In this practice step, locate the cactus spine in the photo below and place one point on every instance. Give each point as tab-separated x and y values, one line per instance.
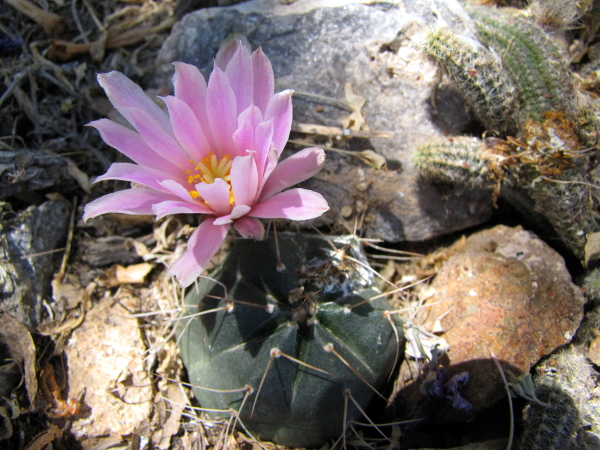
567	411
476	71
531	59
458	159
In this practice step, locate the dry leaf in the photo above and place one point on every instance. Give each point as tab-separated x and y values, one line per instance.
20	344
176	405
592	247
79	176
354	100
373	159
355	121
44	438
141	249
69	294
135	273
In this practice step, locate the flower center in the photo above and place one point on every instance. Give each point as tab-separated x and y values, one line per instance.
208	170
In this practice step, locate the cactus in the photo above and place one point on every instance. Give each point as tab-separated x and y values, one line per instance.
557	15
531	59
476	71
591	284
301	333
565	410
530	91
461	159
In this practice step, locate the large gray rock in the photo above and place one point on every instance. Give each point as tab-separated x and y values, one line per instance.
28	258
316	48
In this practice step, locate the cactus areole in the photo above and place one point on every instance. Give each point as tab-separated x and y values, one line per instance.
289	330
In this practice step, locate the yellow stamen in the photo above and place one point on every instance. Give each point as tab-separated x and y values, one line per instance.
210	169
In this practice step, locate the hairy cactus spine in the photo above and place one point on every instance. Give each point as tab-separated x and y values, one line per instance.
536	65
460	159
567	409
476	71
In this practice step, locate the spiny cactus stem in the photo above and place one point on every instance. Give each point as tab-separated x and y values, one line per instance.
228	308
274	354
329	348
476	72
534	62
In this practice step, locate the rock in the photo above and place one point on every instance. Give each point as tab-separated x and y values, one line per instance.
108	250
316	50
28	258
492	444
505	292
24	171
106	362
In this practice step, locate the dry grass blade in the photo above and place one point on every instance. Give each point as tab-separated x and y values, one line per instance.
53	24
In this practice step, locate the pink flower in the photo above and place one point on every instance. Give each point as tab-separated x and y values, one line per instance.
215	153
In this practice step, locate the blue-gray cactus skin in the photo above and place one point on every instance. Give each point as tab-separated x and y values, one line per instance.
302	309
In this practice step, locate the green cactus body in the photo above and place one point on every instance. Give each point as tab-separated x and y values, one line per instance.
567	202
550	427
531	59
567	410
302	309
476	72
458	160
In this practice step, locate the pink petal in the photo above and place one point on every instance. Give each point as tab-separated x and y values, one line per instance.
226	52
249	227
202	246
236	213
271	163
132	145
178	207
295	204
244	137
244	180
264	84
177	189
124	93
220	101
190	86
157	139
135	174
128	201
187	129
263	135
241	77
252	113
216	196
280	110
295	169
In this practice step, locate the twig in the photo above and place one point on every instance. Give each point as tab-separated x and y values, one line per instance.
510	405
310	128
48	252
78	22
17	81
323	99
64	50
63	266
52	23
